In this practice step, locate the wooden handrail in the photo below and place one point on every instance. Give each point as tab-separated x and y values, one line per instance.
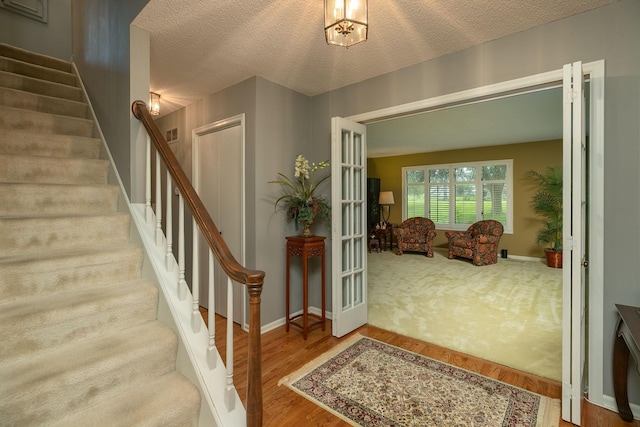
253	279
217	244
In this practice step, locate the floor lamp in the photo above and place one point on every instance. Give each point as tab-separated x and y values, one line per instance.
385	200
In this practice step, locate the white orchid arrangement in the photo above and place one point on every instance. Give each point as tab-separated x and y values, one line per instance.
301	204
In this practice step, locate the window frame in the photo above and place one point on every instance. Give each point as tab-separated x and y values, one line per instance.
477	182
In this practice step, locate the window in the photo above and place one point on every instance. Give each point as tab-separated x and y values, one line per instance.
455	196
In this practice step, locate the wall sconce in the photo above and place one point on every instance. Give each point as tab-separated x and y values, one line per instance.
345	22
154	103
385	199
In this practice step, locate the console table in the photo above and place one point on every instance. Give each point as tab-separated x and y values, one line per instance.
305	248
627	341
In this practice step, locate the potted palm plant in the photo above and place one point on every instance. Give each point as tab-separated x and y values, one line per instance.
547	203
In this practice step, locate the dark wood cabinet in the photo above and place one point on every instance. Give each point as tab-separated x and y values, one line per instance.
373	207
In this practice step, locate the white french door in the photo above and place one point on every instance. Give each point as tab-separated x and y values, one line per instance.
349	233
574	215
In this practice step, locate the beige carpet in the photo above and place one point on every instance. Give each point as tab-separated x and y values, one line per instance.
369	383
81	341
509	313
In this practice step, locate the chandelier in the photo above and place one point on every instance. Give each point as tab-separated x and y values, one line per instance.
345	22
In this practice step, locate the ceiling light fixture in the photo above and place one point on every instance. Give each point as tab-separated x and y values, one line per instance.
345	22
154	103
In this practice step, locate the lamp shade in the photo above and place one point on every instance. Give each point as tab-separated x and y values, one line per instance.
345	22
386	198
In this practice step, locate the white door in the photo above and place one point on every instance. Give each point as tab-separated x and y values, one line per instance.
218	180
574	210
349	233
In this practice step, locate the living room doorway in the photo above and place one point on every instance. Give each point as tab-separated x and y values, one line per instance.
496	310
594	177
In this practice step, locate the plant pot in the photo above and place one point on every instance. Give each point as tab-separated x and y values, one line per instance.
554	258
306	231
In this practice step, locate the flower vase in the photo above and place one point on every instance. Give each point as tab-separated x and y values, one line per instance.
306	230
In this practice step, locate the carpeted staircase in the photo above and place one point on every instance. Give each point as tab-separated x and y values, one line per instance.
80	341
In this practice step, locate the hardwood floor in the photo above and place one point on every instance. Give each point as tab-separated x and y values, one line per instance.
283	353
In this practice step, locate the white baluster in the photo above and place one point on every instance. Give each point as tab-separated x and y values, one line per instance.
229	396
169	259
159	237
195	280
212	359
182	283
147	190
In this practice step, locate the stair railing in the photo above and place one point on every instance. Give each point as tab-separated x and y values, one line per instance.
252	279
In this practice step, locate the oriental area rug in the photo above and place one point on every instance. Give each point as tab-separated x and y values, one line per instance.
369	383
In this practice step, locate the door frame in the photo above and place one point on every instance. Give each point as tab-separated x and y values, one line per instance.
197	133
595	286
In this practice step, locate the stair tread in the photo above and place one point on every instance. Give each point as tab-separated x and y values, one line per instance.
168	400
17	157
55	232
54	216
42	144
30	57
40	114
43	87
53	303
54	258
38	71
25	119
28	199
17	168
66	378
33	324
22	186
58	360
16	98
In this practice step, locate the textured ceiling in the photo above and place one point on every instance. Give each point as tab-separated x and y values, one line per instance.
199	47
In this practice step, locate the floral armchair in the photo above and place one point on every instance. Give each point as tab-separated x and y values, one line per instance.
479	243
416	234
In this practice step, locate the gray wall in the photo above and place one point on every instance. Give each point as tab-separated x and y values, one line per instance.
611	33
101	47
282	132
52	38
277	128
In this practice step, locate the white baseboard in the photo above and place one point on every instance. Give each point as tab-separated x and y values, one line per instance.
524	258
609	402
